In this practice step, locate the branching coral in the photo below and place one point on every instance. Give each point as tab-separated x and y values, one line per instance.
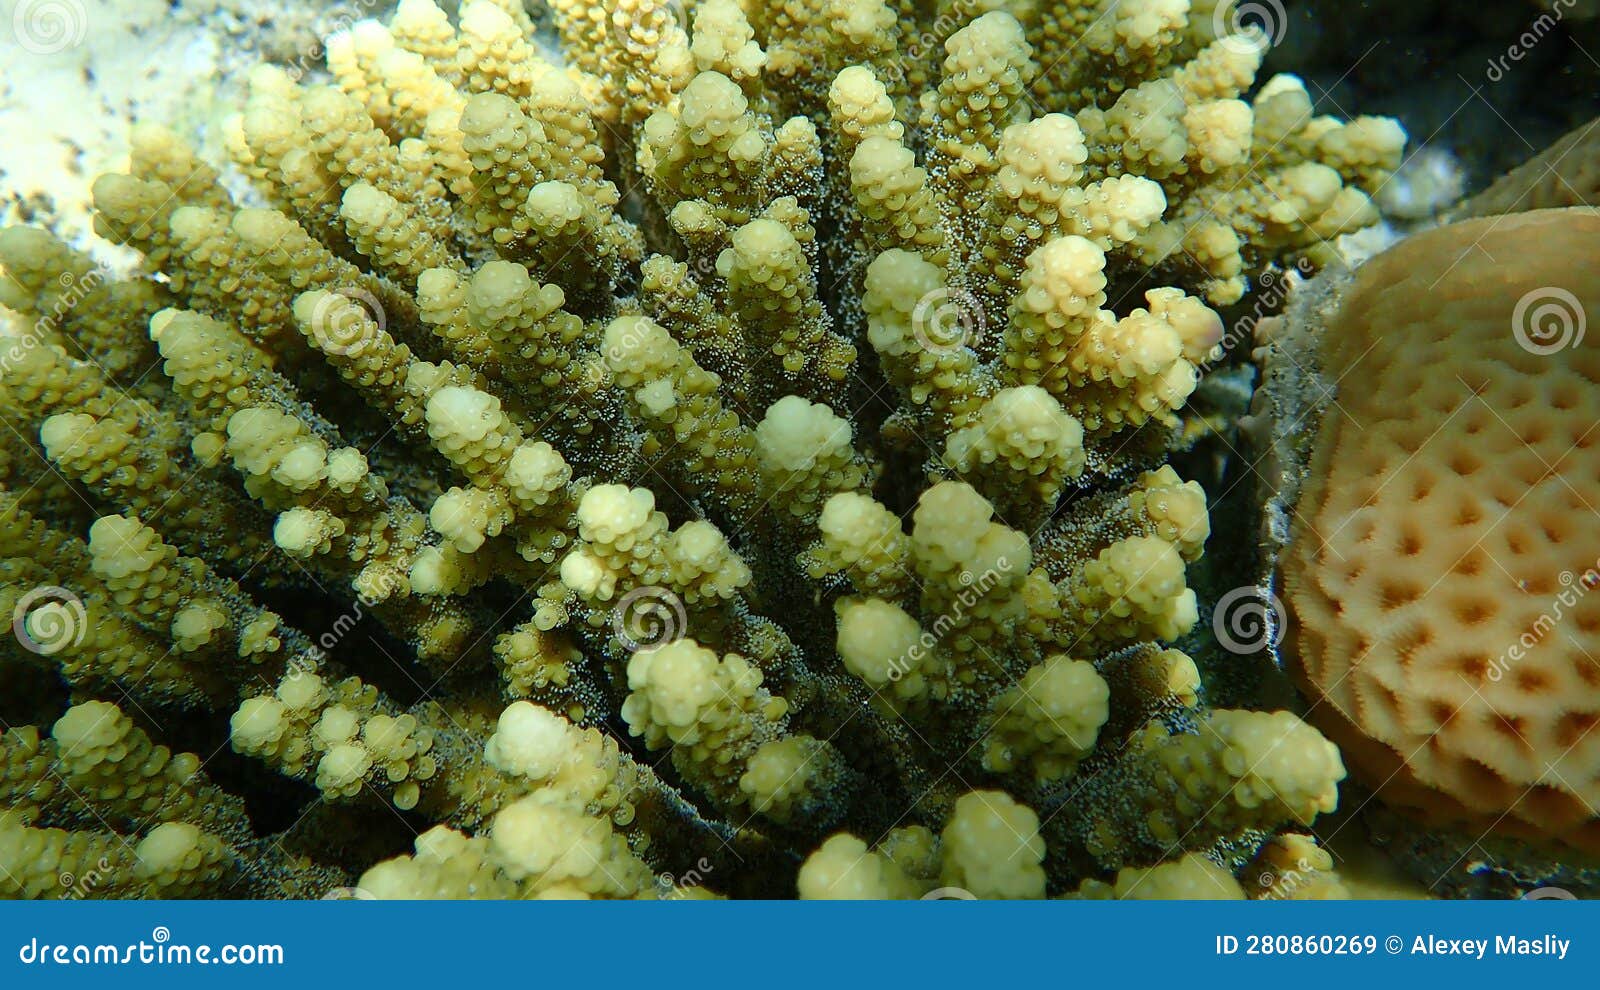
737	388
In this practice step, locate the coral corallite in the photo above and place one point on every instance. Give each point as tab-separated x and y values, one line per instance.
1444	580
658	434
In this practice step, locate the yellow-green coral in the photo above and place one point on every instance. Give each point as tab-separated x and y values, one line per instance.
732	386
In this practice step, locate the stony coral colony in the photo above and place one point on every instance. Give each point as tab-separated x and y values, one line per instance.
729	416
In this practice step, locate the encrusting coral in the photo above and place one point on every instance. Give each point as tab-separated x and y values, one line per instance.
1425	526
736	431
1441	578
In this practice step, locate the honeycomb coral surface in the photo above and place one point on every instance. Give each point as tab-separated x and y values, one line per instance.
1442	578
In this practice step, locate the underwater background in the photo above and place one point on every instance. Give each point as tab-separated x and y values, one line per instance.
720	448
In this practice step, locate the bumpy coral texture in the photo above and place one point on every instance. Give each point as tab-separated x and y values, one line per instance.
729	436
1444	585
